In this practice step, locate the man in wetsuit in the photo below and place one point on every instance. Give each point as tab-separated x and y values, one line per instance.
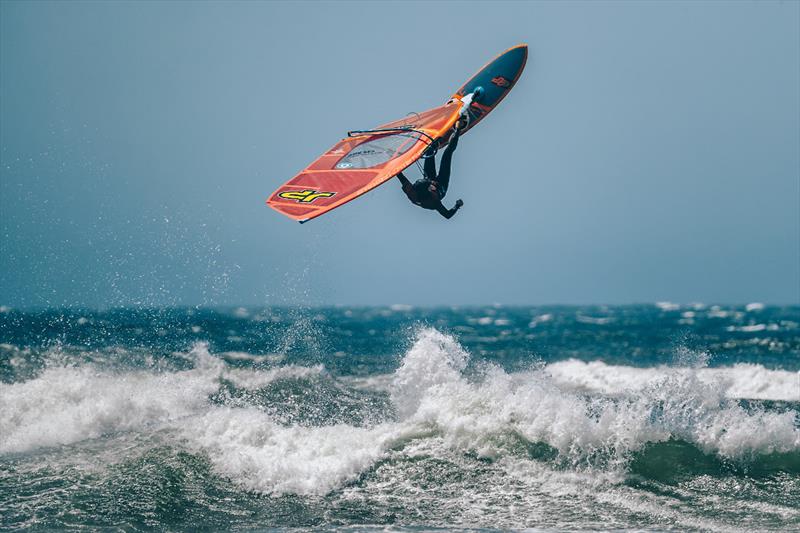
429	191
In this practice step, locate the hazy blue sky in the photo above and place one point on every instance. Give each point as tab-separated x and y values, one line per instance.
650	151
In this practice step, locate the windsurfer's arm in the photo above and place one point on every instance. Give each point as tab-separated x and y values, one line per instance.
404	181
448	213
407	187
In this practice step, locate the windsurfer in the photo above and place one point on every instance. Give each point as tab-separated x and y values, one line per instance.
429	191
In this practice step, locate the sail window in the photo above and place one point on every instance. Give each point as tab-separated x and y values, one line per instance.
378	150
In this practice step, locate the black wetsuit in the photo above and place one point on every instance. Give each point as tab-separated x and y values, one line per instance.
420	192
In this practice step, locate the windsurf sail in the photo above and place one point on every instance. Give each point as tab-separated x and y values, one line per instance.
366	158
362	161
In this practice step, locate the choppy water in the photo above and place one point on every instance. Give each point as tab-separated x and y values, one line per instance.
657	417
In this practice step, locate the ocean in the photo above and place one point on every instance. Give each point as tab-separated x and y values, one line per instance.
645	417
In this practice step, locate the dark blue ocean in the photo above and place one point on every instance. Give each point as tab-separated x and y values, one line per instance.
654	417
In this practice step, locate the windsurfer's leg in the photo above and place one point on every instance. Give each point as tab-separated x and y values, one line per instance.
430	167
444	166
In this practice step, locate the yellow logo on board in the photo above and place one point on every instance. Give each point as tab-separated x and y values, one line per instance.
305	197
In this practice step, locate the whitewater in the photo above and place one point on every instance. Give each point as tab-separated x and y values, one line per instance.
401	417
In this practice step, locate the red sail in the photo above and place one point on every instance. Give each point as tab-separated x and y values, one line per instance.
360	163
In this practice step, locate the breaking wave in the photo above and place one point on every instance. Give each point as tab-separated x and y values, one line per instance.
300	430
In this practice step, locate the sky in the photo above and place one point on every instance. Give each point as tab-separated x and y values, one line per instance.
649	152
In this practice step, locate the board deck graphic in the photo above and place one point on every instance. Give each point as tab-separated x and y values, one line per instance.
365	159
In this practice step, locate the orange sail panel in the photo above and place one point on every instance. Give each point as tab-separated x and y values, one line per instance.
360	163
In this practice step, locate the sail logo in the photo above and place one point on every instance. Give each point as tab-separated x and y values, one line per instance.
306	196
500	81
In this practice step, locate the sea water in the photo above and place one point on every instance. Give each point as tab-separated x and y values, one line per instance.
659	417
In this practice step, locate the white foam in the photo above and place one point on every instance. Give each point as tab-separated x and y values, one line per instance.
596	320
254	379
471	416
539	319
434	359
69	404
250	448
436	404
668	306
717	312
434	400
430	389
258	358
741	381
751	328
